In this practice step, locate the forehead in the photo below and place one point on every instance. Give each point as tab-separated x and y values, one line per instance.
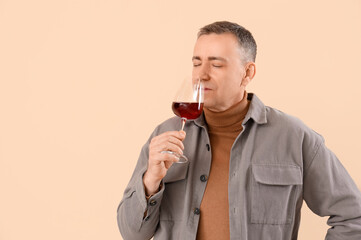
220	45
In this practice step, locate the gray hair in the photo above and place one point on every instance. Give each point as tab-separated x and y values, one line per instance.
244	37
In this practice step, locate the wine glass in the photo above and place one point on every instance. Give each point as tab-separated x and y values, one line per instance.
188	105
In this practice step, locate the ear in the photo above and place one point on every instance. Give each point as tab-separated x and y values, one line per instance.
250	71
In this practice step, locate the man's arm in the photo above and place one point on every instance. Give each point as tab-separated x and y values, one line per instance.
330	191
130	214
137	216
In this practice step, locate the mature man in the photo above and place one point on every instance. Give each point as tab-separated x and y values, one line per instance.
250	166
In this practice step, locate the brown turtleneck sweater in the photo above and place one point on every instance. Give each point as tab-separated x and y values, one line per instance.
223	128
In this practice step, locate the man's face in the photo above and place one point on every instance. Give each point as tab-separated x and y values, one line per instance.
217	62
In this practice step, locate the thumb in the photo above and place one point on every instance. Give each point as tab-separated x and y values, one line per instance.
182	134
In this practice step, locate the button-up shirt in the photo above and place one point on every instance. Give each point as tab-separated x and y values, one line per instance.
276	162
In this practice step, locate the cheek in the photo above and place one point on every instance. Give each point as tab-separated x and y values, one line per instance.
232	87
236	80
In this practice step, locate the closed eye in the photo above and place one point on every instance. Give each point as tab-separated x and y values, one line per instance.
196	63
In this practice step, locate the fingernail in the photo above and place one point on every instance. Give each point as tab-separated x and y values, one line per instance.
183	134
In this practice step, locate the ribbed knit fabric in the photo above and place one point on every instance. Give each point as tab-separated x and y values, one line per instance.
223	128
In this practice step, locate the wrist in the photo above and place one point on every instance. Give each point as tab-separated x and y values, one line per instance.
147	197
151	186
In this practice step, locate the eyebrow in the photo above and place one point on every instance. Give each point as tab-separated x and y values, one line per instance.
210	58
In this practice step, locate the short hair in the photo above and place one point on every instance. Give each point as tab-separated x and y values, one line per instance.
244	37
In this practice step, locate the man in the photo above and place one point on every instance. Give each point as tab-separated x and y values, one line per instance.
250	166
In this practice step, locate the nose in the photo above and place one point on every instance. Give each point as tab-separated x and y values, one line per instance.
202	72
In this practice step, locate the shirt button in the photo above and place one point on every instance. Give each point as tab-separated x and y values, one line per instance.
204	178
153	203
208	147
196	211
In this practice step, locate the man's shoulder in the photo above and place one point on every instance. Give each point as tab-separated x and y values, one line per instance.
272	116
276	116
289	123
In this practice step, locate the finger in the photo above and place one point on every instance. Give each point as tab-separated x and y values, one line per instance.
169	140
177	142
172	147
168	157
168	164
177	134
166	143
166	146
182	134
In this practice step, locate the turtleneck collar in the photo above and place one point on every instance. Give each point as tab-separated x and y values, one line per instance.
231	118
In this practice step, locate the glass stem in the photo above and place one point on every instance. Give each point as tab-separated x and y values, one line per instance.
183	122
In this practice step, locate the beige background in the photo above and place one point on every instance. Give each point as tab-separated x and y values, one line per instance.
84	82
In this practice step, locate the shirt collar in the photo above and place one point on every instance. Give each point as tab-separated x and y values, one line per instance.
256	111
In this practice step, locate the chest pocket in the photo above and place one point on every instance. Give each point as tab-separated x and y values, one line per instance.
274	191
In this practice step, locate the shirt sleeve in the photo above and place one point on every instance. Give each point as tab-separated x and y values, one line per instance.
330	191
132	222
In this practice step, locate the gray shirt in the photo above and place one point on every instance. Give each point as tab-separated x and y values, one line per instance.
276	162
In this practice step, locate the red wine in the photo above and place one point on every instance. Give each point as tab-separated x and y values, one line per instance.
188	110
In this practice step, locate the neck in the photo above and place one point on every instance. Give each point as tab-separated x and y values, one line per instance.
233	115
